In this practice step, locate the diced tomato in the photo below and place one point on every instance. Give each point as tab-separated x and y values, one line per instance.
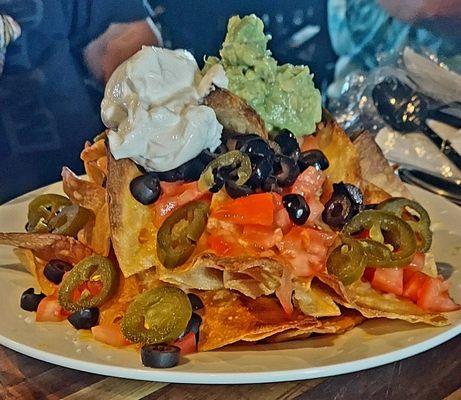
368	274
110	334
262	237
175	195
188	344
389	280
365	234
418	261
309	185
433	296
49	310
310	143
256	209
281	218
306	249
220	245
413	281
94	287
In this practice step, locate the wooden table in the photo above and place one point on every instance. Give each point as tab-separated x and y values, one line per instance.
435	374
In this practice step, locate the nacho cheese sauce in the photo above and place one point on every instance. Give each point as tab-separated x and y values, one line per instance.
152	107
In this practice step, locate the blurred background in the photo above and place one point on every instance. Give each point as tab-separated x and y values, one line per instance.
55	56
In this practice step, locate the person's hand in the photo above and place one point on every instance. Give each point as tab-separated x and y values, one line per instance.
115	45
417	10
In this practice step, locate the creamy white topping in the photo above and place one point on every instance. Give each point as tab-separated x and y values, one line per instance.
152	106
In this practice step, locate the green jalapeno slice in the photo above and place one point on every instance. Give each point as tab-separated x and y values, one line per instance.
179	233
157	316
94	268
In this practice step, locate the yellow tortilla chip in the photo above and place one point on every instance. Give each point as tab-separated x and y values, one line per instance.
341	153
133	233
86	194
229	317
373	304
35	266
100	236
234	114
329	325
311	299
48	246
94	159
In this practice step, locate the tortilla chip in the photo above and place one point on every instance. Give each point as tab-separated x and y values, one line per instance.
376	169
132	230
48	246
86	194
342	154
100	236
229	317
311	299
234	114
95	161
253	277
330	325
373	304
35	266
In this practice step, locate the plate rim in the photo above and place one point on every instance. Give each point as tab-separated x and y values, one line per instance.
191	377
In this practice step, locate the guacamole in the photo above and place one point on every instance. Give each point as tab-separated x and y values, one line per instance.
283	95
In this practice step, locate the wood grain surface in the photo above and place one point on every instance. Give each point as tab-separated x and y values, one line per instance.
433	375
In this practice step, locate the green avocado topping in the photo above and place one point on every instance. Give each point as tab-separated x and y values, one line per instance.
283	95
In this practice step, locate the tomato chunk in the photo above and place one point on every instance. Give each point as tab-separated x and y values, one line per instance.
389	280
110	334
262	237
256	209
433	296
413	281
220	245
188	344
49	310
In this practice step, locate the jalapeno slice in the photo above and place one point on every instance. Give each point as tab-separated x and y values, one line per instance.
393	230
179	233
414	215
93	269
157	316
235	159
378	254
347	261
42	209
69	220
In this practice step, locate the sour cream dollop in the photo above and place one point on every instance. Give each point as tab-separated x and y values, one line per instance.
152	107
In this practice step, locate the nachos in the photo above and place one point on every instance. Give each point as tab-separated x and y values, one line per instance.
221	206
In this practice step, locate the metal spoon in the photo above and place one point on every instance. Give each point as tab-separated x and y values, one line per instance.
406	111
448	188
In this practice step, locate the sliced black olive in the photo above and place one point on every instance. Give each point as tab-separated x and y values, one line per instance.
289	146
337	211
262	168
160	355
221	149
146	188
270	185
219	181
297	208
55	270
195	301
257	148
236	141
173	175
193	326
313	158
84	319
235	191
345	202
30	300
286	170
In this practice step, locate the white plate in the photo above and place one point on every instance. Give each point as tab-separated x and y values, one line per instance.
374	343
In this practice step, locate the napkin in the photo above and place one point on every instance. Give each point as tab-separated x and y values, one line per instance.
416	150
